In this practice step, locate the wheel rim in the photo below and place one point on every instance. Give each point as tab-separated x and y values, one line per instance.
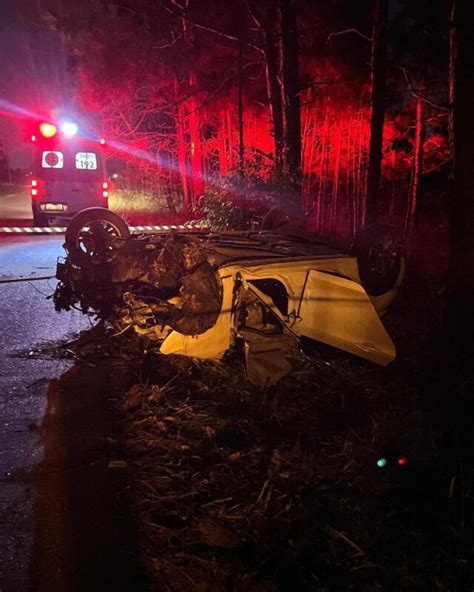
93	239
383	260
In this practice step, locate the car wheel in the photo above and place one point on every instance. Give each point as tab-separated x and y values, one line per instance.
92	234
278	218
379	257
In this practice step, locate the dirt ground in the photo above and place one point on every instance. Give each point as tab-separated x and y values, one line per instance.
237	488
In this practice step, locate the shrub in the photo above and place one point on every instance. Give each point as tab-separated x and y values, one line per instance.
240	203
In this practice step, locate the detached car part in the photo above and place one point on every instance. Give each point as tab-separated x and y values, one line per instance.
196	293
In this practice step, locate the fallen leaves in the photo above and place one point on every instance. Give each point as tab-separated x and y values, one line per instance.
216	534
235	489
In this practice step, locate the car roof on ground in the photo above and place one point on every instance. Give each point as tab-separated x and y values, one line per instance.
253	246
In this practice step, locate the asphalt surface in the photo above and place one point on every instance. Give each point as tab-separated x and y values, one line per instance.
64	526
15	203
27	319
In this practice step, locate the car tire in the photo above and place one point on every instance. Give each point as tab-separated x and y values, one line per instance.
379	257
84	218
279	218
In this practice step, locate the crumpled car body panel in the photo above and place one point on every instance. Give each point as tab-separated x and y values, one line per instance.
338	312
212	344
325	302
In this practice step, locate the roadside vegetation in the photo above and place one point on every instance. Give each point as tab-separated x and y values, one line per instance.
344	476
137	207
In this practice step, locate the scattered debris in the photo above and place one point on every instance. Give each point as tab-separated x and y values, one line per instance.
117	464
216	534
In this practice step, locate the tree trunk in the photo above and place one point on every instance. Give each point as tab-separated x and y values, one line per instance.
308	164
336	181
195	148
223	148
460	311
410	222
182	160
291	90
378	85
267	25
275	97
240	68
360	171
196	152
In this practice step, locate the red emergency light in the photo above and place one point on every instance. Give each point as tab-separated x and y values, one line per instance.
102	141
35	188
105	192
47	130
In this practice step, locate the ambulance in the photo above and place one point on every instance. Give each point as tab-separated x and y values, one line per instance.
69	173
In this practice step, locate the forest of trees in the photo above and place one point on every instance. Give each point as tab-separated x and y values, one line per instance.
343	105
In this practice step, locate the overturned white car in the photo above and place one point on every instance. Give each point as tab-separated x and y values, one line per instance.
197	293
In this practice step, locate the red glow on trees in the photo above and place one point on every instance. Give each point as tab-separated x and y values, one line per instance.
182	112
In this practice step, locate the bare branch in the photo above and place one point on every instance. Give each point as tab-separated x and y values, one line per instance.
253	15
418	95
214	95
352	30
323	82
174	39
262	153
176	10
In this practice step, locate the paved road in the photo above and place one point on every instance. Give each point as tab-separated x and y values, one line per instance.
15	203
60	521
27	319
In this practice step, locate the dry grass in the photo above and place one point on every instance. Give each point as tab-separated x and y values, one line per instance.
241	489
234	488
143	208
123	200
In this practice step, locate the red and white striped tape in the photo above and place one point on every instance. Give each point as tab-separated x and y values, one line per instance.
62	229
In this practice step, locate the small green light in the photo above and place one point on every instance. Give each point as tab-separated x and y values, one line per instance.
381	463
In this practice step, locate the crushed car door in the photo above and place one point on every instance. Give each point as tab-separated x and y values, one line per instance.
338	312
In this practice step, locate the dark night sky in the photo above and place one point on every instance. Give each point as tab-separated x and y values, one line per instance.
33	71
12	58
33	62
